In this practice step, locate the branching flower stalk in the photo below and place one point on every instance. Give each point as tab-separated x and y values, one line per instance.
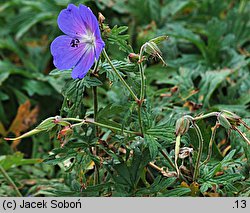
168	159
142	75
210	146
50	122
211	114
176	153
95	104
91	121
140	119
231	119
225	118
198	159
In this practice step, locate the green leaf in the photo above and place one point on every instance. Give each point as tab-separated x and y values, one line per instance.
36	87
57	72
209	83
165	133
179	31
153	146
117	36
91	82
121	66
32	21
177	192
15	160
110	111
3	77
159	185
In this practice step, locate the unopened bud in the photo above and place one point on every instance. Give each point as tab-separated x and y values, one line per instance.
133	57
58	120
64	135
101	18
66	131
182	126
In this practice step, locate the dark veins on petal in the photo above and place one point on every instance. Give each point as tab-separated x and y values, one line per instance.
74	42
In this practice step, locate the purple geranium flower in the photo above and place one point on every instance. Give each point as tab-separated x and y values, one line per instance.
81	45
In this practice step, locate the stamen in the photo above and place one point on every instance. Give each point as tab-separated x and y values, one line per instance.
89	38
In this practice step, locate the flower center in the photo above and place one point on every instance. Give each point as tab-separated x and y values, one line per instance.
88	38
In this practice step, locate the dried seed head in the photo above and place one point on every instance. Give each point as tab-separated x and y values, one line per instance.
223	121
151	48
185	152
231	117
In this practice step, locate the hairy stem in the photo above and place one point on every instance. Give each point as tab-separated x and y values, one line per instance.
84	121
95	102
198	159
10	181
141	69
176	153
210	146
118	75
242	135
143	88
140	120
211	114
168	159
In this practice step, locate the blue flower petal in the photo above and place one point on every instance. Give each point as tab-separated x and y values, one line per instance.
89	19
70	21
77	48
65	56
84	65
99	47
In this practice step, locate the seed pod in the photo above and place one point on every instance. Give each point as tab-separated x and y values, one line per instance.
223	121
159	39
231	117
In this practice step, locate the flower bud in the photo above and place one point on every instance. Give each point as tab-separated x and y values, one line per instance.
64	135
66	131
133	57
182	126
58	120
101	18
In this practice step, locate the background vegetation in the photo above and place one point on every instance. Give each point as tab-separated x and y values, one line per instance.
207	56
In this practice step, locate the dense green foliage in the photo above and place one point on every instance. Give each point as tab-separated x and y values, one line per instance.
207	57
